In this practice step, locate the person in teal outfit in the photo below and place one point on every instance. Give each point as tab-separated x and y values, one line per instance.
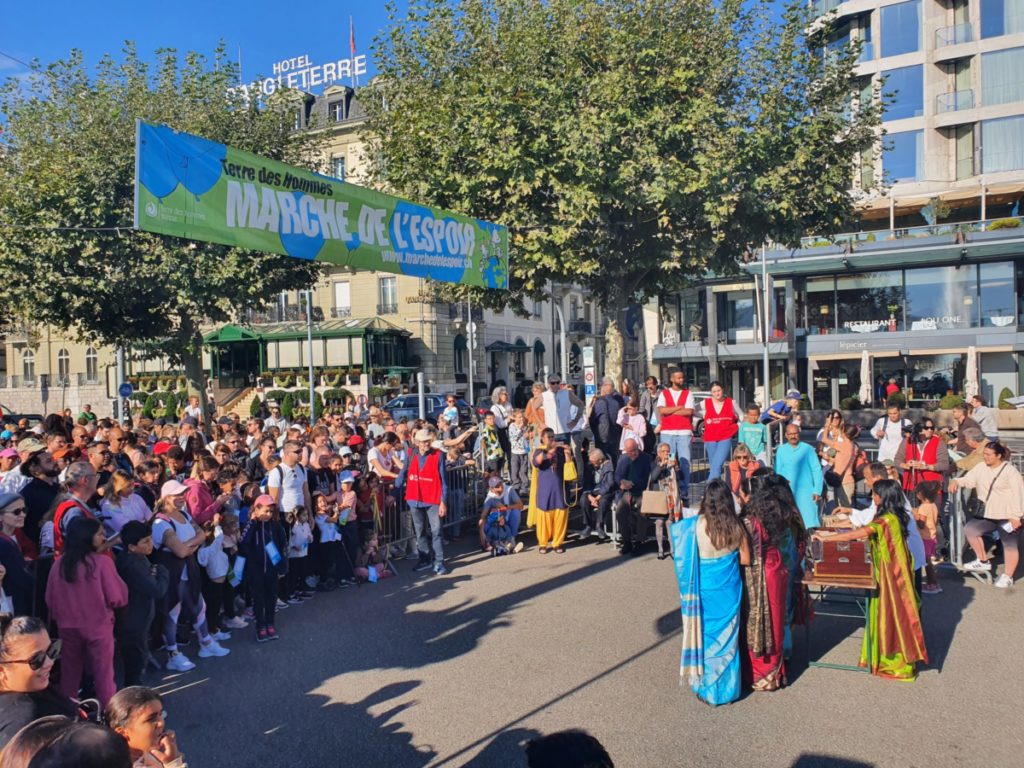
800	465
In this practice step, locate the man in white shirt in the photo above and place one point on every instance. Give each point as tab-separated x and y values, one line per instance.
287	483
557	408
888	431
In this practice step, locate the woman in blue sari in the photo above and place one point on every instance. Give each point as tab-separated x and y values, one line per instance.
708	550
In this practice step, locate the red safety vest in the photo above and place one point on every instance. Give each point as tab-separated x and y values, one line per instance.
911	477
675	422
720	426
423	481
58	521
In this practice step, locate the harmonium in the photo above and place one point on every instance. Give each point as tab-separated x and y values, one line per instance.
840	561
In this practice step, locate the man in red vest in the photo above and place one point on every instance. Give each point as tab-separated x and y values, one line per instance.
425	483
80	479
675	414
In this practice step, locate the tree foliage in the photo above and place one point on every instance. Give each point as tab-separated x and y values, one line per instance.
630	146
68	255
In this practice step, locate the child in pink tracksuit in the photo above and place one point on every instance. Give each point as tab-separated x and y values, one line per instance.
82	592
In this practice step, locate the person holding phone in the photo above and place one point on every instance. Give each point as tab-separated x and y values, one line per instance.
552	512
1000	487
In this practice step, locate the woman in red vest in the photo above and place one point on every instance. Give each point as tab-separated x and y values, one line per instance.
923	456
721	421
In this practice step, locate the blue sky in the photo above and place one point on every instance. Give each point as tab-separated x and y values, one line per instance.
266	32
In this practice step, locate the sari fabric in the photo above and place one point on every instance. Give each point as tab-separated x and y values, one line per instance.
767	585
896	638
710	594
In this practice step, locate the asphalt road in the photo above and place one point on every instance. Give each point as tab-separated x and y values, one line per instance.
459	670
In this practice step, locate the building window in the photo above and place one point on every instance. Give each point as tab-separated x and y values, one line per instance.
28	365
1002	144
736	315
574	309
1001	17
338	167
901	28
996	294
91	365
964	138
336	111
941	298
537	308
1002	76
387	292
538	358
903	159
297	121
459	351
821	317
63	365
905	87
342	299
935	376
867	169
870	303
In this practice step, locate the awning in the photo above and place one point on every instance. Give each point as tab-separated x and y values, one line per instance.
329	329
504	346
228	333
538	347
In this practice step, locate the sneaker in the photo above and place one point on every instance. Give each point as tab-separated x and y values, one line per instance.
345	584
312	581
179	662
281	604
261	635
601	535
248	614
586	533
236	622
931	589
212	649
423	565
326	586
271	633
295	600
1004	582
978	566
396	552
306	594
220	635
518	547
440	570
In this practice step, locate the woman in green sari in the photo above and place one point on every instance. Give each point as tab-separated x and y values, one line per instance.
894	642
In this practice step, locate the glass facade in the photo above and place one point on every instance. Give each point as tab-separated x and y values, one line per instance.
870	303
735	310
1002	144
1002	76
903	89
941	298
1001	17
932	377
996	295
903	159
901	28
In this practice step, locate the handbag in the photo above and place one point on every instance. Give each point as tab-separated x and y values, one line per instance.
654	504
975	506
569	473
833	478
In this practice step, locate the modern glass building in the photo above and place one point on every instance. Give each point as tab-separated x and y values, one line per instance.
936	266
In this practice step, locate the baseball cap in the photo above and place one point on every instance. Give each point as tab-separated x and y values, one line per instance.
59	454
554	379
494	482
161	448
188	421
265	500
172	488
30	445
354	441
793	394
8	453
345	451
6	434
346	477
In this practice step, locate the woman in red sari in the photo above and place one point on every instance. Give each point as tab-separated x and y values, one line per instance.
766	583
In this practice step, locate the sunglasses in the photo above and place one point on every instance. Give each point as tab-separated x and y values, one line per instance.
37	660
17	511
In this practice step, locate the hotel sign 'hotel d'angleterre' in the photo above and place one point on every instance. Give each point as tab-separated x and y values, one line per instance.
298	72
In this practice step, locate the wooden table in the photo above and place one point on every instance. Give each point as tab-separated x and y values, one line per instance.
840	591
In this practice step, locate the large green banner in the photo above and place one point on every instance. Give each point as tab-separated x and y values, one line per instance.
194	188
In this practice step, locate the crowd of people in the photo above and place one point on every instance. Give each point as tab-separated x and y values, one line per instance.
127	543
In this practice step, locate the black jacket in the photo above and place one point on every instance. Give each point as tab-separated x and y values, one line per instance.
147	583
19	583
253	547
641	472
603	421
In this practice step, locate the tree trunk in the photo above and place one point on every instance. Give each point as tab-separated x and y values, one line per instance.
614	348
191	341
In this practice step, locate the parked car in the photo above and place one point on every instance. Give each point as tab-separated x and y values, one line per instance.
481	407
408	406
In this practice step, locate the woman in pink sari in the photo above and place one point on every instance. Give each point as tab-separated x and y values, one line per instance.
766	581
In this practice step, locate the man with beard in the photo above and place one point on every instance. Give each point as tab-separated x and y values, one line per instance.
40	492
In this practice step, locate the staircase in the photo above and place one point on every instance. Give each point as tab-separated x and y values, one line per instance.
239	404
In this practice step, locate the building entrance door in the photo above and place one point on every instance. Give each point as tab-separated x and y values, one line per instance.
238	362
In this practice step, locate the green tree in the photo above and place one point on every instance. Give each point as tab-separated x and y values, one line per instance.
629	146
288	406
68	255
255	405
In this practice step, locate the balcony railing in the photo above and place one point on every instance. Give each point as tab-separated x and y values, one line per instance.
387	309
580	326
21	381
339	312
86	379
954	101
946	229
954	35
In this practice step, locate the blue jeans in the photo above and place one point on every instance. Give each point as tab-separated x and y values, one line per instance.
718	456
680	447
424	516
